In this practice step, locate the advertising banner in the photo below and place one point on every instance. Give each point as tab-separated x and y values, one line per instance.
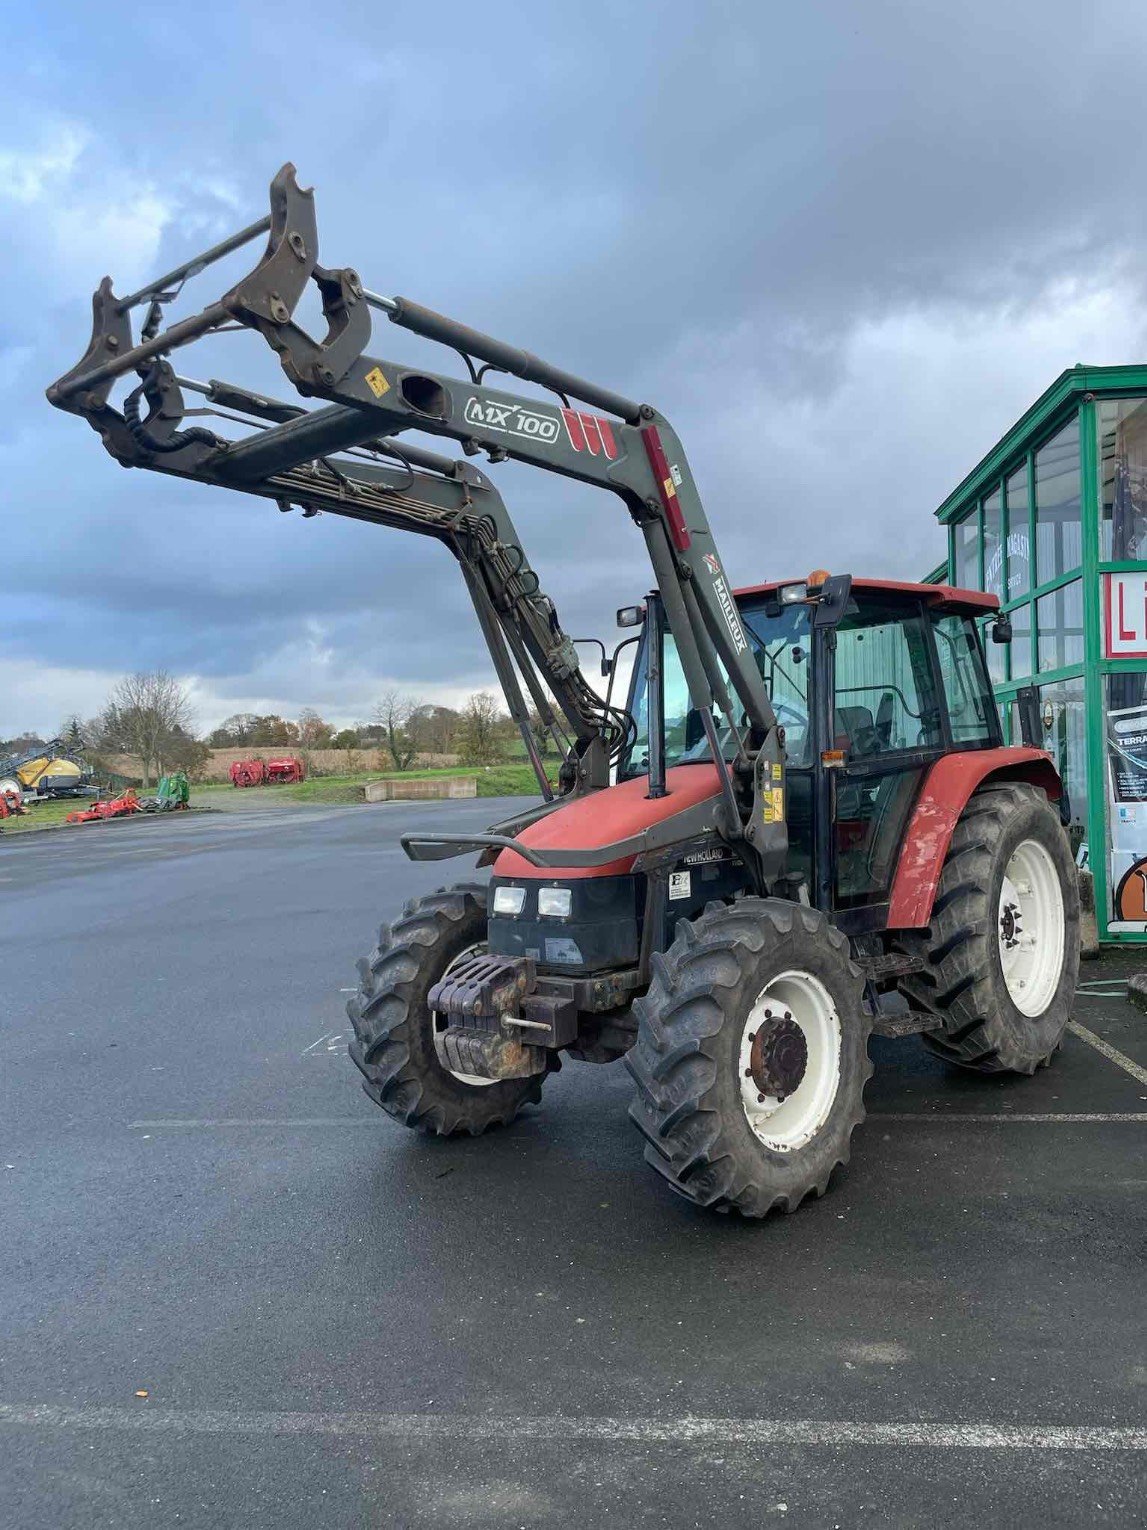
1127	797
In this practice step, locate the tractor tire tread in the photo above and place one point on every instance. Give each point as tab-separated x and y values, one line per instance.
391	1046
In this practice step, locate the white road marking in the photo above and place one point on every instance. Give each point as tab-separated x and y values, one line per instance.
263	1121
948	1116
1004	1116
1111	1053
326	1036
508	1430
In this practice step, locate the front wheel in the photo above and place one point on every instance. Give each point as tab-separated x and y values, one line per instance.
394	1026
751	1057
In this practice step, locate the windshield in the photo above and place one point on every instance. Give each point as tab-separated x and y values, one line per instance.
782	650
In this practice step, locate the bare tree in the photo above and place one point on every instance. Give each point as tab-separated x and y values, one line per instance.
392	715
482	729
149	716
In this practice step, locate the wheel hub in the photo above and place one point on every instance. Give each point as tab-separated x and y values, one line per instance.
779	1055
1010	924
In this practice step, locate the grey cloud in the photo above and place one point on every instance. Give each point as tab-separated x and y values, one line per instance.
708	205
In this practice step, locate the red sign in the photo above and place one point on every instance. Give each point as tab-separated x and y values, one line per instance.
1125	612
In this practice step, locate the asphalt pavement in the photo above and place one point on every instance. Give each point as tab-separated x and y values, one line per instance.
338	1323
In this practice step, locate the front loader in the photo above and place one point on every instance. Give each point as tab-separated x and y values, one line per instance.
800	827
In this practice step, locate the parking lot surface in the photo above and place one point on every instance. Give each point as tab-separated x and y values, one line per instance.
337	1322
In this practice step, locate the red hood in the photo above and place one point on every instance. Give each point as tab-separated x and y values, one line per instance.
615	813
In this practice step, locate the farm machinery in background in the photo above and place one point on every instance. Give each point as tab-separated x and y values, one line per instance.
50	771
172	795
281	772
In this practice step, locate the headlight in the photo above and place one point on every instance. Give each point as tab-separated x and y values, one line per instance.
555	902
509	900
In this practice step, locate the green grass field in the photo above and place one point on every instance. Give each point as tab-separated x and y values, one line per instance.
40	815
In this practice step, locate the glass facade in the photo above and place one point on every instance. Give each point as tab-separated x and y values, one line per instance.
1122	434
1059	620
1054	523
1057	504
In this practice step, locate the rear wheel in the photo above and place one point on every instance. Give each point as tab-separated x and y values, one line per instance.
394	1026
751	1057
1002	951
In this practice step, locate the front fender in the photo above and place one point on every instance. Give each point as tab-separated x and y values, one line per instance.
943	797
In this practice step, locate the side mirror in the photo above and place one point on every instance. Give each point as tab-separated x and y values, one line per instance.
631	616
1027	705
694	729
1002	629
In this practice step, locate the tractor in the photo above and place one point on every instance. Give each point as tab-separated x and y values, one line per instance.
799	827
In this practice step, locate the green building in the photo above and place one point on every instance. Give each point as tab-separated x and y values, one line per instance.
1054	521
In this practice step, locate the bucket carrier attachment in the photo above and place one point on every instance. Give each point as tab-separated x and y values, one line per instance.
346	457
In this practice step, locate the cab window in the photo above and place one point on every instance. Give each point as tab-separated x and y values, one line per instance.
886	700
966	687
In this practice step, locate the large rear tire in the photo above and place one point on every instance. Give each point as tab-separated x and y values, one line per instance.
751	1057
393	1044
1002	951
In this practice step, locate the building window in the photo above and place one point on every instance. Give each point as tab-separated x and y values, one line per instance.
994	561
1059	619
966	553
1065	738
1059	544
1021	644
1123	475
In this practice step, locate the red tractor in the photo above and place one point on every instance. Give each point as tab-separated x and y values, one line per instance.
799	828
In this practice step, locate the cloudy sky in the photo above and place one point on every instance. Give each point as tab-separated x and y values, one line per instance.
842	246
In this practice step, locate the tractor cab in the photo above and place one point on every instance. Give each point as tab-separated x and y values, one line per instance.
868	705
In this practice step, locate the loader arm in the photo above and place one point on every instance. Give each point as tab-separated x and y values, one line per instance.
300	458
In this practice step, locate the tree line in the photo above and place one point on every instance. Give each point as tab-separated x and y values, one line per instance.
150	717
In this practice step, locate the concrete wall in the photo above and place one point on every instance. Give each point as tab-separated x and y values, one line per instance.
435	787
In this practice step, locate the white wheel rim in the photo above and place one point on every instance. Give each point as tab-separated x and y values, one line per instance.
1029	927
789	1123
438	1023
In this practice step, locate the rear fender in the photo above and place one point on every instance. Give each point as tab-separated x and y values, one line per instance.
943	797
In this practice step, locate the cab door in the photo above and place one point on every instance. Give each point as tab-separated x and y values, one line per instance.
888	726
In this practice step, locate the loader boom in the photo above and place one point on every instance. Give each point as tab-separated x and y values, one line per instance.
301	458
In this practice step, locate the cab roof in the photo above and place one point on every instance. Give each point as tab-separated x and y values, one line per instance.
947	596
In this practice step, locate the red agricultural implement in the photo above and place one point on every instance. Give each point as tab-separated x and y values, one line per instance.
116	807
285	772
267	772
248	773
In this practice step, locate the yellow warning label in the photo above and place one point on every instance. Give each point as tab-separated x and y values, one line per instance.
773	805
670	490
778	773
376	382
